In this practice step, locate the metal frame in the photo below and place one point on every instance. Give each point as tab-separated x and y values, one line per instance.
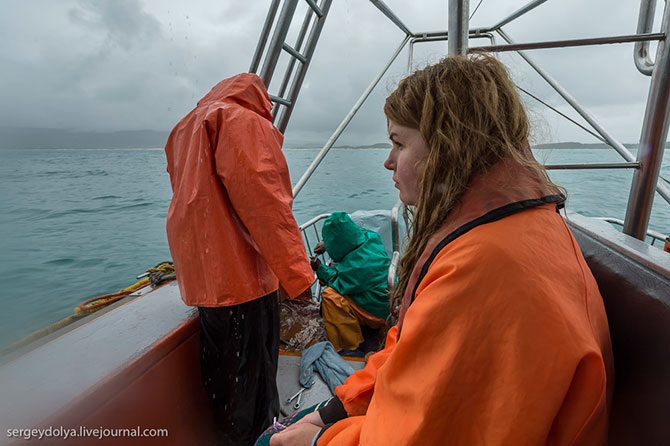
277	41
657	117
345	122
611	140
438	37
269	19
312	40
287	76
284	106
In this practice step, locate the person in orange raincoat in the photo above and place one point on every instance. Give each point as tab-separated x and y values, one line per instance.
233	239
502	336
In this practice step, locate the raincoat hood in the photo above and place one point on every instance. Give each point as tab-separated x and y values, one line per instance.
341	235
245	89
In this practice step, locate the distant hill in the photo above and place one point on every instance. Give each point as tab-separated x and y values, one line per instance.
379	145
579	145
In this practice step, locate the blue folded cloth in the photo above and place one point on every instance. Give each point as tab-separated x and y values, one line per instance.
322	356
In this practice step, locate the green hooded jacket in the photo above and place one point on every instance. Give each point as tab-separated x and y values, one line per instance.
362	264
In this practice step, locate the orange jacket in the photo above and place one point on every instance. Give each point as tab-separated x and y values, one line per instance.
505	340
230	228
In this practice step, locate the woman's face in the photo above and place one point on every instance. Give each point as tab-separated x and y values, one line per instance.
407	161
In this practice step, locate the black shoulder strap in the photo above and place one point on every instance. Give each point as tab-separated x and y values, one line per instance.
489	217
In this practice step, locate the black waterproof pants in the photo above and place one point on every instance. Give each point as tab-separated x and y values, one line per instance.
239	354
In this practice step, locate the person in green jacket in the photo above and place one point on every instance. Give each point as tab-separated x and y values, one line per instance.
356	291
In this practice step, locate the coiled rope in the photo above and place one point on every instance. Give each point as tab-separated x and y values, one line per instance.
159	274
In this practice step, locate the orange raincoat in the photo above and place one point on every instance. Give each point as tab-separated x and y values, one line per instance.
231	231
503	337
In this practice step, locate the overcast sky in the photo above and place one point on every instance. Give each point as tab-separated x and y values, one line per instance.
116	65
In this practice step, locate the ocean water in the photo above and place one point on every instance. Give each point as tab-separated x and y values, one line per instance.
75	224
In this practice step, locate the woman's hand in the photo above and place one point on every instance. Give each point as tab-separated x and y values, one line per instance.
305	430
299	434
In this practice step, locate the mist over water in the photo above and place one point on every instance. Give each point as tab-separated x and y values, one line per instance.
75	224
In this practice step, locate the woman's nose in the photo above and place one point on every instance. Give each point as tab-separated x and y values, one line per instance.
390	162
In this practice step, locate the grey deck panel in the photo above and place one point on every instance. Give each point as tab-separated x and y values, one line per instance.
39	383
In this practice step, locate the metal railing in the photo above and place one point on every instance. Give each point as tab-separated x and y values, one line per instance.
306	227
654	235
311	225
391	278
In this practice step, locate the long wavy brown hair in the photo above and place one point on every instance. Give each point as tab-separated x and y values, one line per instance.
470	115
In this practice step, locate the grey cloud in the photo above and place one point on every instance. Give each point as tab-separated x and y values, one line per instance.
130	65
123	21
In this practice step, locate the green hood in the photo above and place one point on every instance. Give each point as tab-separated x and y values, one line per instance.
341	235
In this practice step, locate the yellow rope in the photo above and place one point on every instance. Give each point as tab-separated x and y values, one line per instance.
97	303
90	306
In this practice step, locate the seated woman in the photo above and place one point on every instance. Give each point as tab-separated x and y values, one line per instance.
502	337
356	292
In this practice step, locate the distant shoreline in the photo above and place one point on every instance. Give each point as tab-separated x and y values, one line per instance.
579	145
378	146
548	146
44	138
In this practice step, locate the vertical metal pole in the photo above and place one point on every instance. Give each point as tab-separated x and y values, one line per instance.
278	38
652	141
458	27
310	46
264	36
345	122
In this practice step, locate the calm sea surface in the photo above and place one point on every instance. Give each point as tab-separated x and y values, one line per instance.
79	223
